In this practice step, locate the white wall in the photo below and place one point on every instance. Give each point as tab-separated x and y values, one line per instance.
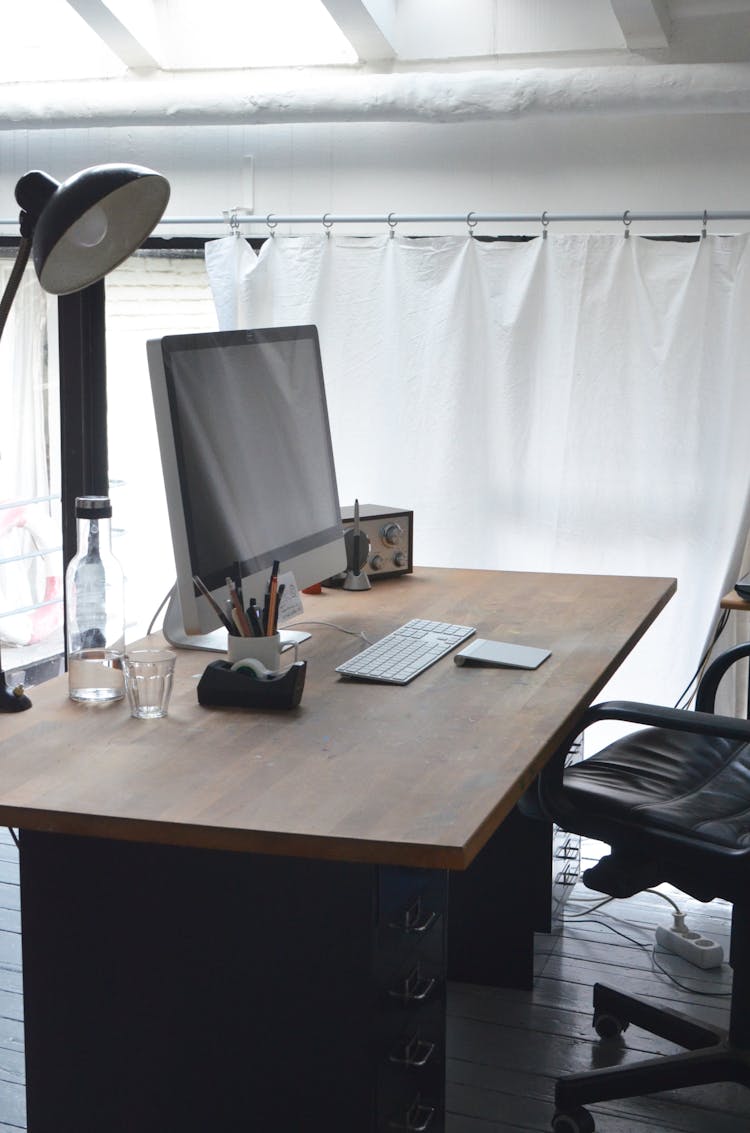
563	163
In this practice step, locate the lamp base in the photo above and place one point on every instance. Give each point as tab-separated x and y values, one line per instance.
12	699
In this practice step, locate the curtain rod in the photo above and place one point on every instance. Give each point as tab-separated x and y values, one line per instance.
238	216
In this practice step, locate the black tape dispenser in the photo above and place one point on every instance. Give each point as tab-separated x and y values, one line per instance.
249	684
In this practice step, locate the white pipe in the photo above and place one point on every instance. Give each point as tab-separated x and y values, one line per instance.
255	98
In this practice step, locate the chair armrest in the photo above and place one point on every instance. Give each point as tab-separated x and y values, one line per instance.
709	682
676	719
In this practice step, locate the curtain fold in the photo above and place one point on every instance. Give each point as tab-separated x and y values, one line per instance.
577	403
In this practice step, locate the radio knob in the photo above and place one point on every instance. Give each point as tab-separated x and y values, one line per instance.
376	562
391	534
399	559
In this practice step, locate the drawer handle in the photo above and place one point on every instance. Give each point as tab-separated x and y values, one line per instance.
417	1120
414	920
414	989
415	1052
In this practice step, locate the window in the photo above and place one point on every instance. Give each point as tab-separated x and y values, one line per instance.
154	293
31	587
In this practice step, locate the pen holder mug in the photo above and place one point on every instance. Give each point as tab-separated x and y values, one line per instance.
267	650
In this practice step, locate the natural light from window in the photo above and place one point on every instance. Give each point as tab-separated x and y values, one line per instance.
49	40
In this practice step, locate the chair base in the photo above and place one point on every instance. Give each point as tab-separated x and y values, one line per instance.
709	1057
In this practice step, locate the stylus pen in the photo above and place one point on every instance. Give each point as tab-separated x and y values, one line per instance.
214	605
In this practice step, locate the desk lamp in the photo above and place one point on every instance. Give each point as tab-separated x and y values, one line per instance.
77	232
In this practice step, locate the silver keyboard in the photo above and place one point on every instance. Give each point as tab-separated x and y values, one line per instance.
406	652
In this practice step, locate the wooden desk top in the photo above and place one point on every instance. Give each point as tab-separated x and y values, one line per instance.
732	601
416	775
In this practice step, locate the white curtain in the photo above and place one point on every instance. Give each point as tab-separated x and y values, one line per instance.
578	403
25	462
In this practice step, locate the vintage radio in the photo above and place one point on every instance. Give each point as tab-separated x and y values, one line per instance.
390	534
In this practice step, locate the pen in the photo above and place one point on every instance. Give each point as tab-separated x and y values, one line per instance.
279	596
238	614
238	581
253	614
214	605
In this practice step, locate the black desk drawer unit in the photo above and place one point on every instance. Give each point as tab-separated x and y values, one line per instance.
566	853
293	994
410	975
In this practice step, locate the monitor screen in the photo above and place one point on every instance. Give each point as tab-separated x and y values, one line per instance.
248	463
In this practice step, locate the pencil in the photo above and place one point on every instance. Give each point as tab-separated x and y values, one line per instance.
271	599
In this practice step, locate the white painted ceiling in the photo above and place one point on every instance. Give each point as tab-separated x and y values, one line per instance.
54	40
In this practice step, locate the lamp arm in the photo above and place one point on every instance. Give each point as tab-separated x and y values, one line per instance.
24	248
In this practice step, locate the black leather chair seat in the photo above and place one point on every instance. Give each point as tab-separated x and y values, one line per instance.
694	785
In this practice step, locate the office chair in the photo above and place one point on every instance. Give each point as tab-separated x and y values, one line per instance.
672	800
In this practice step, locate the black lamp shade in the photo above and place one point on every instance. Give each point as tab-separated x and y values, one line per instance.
86	226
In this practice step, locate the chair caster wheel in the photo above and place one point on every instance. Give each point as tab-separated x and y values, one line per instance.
609	1026
574	1121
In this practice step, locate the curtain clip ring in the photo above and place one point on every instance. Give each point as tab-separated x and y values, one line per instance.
327	223
234	223
471	222
627	221
271	223
391	223
545	224
704	232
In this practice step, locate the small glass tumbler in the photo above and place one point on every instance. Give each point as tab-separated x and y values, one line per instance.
148	681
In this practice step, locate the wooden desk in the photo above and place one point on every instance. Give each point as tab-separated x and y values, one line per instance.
237	920
732	601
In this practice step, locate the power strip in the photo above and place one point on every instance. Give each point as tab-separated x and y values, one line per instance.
691	946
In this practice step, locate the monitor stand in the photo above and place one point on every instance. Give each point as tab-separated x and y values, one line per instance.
174	631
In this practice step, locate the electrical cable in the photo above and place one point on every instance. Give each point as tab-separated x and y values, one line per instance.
331	625
665	897
682	702
657	967
589	908
159	609
607	900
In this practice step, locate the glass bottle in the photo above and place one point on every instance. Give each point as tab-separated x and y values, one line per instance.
94	592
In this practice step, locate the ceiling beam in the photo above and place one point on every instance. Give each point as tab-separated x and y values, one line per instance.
644	23
369	25
121	33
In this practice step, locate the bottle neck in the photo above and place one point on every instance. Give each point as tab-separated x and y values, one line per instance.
94	536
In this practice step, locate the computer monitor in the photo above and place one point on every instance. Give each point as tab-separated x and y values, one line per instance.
246	451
